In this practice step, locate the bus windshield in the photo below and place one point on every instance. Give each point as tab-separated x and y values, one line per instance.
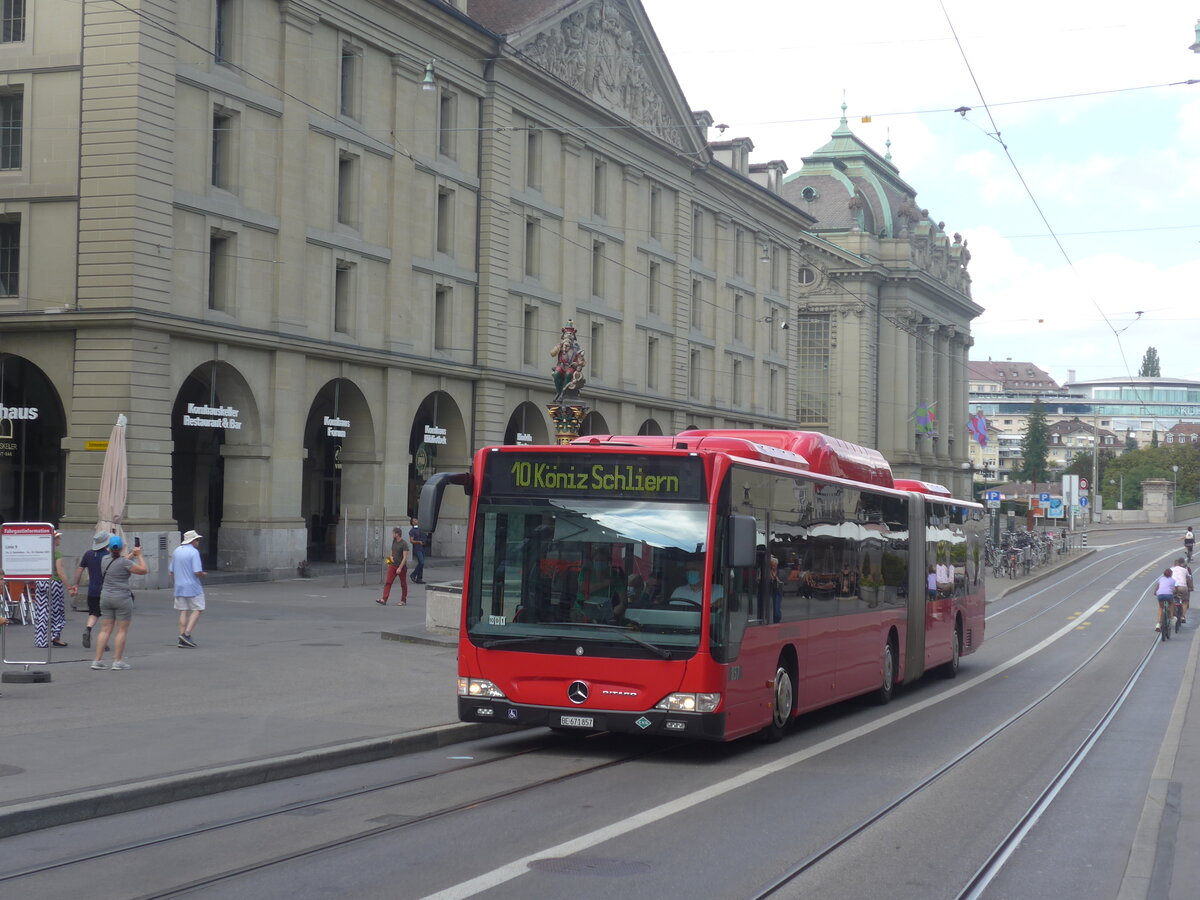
624	572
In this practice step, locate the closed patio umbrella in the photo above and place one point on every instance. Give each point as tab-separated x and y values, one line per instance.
114	482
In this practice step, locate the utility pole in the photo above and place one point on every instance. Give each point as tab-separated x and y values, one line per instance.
1095	464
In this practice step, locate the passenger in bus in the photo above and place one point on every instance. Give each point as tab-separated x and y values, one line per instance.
776	590
847	581
931	585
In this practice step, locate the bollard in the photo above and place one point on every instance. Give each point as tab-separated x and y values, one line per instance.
1084	542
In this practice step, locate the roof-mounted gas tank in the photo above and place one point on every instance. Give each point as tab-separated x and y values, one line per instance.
825	455
923	487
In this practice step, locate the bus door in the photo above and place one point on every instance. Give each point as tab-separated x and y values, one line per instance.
919	615
941	542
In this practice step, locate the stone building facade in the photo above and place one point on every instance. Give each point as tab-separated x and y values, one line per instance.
317	251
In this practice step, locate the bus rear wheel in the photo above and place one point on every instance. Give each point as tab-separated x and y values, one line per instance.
884	693
782	701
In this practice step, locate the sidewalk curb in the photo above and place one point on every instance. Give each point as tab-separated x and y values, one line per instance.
48	812
1077	556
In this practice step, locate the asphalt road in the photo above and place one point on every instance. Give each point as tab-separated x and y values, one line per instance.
548	815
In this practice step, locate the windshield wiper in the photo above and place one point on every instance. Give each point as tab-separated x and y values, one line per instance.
529	638
620	629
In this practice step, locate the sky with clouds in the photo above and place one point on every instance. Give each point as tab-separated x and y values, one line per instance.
1085	97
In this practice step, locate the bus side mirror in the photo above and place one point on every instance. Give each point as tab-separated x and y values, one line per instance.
743	541
431	497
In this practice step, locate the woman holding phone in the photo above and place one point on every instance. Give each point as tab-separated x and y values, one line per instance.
116	601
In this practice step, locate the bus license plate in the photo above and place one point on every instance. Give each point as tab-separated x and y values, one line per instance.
577	721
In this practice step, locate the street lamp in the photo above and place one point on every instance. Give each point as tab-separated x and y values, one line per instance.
1121	494
1174	484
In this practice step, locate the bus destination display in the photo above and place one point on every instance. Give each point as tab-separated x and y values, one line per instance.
579	475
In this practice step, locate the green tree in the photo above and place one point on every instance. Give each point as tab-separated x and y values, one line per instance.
1035	447
1154	439
1150	365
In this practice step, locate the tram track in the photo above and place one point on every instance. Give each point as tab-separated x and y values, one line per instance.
18	880
994	862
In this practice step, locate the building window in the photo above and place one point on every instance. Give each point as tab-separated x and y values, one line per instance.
222	150
531	355
778	261
220	271
10	257
739	252
533	159
347	191
656	212
697	300
12	24
595	356
805	276
597	268
697	232
776	318
694	374
12	113
441	318
812	350
599	188
735	388
533	235
652	362
773	390
343	298
445	221
350	74
652	290
223	31
447	111
738	312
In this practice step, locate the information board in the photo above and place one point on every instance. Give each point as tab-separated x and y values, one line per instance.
27	550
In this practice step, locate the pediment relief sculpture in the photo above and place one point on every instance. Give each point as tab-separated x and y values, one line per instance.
597	52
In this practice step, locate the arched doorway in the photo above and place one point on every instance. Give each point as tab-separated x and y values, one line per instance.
214	405
594	423
339	438
32	426
438	441
650	427
527	425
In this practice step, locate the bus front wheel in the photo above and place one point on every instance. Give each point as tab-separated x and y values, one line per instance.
782	700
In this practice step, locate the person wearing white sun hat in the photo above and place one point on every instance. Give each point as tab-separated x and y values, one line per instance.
187	571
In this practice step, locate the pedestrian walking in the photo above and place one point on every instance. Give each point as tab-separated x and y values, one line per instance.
49	603
90	563
187	572
397	564
419	541
116	601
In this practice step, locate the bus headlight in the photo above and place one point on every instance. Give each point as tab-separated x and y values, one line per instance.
477	687
704	703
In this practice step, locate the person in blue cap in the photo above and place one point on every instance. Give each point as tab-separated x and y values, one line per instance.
116	601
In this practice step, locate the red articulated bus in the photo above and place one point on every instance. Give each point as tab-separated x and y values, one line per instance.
713	584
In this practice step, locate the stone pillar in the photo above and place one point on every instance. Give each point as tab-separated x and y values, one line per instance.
1158	500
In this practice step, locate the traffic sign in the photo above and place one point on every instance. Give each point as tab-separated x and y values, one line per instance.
1044	498
992	495
1083	484
1083	501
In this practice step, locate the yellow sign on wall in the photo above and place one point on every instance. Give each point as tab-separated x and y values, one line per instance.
95	445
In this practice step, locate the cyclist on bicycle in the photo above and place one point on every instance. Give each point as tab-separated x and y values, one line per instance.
1183	580
1189	542
1165	592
